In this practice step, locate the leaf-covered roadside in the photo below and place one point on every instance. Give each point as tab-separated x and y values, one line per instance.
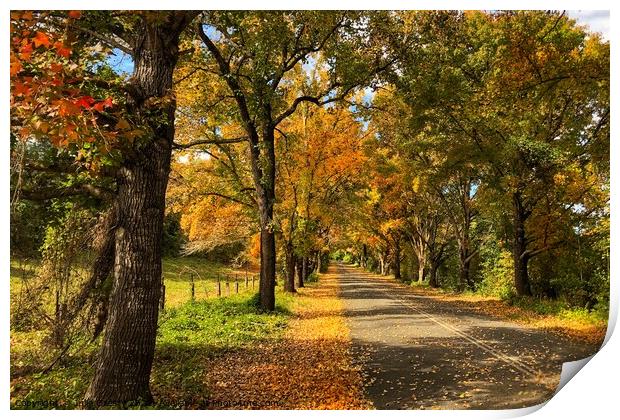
309	368
548	315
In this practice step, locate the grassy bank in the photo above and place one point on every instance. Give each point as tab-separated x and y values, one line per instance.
189	333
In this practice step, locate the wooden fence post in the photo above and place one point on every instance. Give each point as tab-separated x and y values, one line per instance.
236	284
219	286
191	277
162	298
227	285
252	281
246	277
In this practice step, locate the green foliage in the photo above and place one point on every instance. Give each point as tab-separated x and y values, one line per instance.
312	277
497	273
173	238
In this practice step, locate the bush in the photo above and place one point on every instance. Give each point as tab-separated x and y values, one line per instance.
497	275
312	278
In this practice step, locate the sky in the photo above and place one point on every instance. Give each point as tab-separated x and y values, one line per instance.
597	20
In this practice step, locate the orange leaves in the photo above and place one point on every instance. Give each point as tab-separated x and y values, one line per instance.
74	14
21	89
67	108
85	102
41	39
16	66
62	50
309	368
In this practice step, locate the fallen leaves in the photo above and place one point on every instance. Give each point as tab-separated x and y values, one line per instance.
309	368
581	331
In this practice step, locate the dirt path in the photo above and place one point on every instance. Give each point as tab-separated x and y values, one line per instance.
418	352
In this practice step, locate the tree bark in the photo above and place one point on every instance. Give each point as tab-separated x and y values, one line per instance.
432	280
464	275
125	360
396	262
300	272
304	265
364	256
421	270
289	285
519	247
264	179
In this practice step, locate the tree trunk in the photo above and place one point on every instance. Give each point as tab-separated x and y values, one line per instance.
300	272
421	270
267	262
432	280
289	285
364	256
384	263
124	364
263	161
519	247
396	263
304	265
464	275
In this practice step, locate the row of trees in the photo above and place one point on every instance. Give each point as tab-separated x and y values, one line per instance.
494	138
256	118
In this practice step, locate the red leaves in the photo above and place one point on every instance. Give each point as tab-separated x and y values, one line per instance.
85	102
62	50
41	39
74	14
100	106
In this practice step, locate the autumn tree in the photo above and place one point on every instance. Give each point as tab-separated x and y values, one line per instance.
141	133
253	54
320	157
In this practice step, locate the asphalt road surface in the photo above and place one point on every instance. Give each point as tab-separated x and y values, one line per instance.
417	352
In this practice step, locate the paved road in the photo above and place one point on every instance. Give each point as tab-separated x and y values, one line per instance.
417	352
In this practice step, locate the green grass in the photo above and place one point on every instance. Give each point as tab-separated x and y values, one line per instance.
178	272
192	333
558	308
189	334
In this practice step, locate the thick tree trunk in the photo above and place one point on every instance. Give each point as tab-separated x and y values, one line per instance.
267	262
289	285
519	248
263	168
124	365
